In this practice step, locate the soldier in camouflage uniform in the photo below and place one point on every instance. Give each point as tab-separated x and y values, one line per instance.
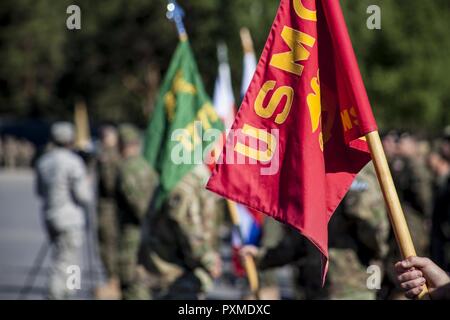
136	182
272	233
358	238
179	246
439	161
108	229
63	185
295	250
358	234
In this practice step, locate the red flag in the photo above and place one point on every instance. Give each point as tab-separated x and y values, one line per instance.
301	125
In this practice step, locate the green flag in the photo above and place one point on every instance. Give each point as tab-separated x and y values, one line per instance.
175	139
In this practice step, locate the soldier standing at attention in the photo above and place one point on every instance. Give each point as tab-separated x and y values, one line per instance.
358	234
63	186
440	228
108	227
136	182
179	250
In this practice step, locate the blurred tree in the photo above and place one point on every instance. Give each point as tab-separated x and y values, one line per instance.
124	46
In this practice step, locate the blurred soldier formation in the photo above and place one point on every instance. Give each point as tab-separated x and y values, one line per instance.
172	251
16	152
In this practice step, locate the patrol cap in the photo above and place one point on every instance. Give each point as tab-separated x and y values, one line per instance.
63	132
128	134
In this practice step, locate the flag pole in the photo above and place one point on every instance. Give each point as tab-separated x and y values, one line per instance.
246	40
395	211
248	261
82	132
176	14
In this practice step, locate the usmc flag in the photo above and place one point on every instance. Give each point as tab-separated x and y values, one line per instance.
298	139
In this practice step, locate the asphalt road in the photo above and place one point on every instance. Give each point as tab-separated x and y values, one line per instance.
22	237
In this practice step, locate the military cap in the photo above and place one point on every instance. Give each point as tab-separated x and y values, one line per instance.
128	134
63	132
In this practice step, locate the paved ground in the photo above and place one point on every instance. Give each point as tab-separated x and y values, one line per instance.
22	236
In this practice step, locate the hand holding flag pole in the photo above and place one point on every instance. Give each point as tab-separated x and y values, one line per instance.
342	92
395	212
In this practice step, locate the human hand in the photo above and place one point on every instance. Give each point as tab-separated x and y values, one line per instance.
414	272
248	250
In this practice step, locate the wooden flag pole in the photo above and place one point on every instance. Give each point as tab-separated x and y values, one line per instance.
246	40
395	211
248	261
82	131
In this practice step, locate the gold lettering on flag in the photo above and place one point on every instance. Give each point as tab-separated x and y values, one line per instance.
277	97
178	85
349	118
303	12
315	107
287	61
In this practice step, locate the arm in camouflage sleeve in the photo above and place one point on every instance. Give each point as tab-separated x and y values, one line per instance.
366	207
184	209
137	187
290	248
108	176
81	190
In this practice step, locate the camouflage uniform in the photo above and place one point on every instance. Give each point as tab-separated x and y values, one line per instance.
294	249
440	235
179	245
136	183
358	234
272	233
107	170
62	184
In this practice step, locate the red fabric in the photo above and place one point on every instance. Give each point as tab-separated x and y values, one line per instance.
309	183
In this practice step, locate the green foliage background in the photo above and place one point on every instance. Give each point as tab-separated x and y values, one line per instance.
116	60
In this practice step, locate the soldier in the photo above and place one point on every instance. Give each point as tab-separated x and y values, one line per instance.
440	229
272	233
63	186
10	150
136	182
295	250
179	240
108	227
358	238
